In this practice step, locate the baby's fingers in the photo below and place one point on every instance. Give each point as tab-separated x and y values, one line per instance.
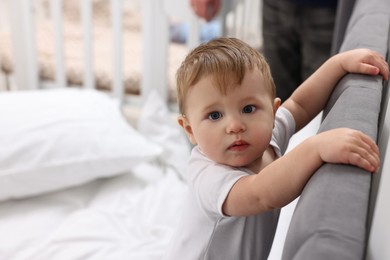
375	65
365	160
370	144
365	154
369	69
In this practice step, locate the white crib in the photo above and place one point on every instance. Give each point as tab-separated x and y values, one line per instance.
157	67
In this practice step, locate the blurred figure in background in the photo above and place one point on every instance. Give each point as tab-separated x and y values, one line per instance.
297	36
297	39
208	31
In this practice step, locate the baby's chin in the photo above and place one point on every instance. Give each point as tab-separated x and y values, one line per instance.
240	161
236	163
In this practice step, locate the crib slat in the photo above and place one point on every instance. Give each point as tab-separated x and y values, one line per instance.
86	17
155	33
56	14
116	20
194	31
24	44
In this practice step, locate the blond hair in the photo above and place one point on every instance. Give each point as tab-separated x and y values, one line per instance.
227	60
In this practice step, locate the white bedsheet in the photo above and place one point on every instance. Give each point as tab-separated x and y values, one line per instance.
118	218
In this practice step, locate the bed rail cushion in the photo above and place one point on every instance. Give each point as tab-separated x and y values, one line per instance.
330	220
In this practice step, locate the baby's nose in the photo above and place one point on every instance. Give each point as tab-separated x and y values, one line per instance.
235	125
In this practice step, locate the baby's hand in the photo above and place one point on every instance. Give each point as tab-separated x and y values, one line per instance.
348	146
364	61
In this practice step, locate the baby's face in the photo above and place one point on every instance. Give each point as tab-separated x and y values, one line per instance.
233	129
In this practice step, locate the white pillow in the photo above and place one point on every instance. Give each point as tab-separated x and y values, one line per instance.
54	139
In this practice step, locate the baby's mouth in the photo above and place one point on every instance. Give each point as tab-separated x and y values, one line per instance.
238	146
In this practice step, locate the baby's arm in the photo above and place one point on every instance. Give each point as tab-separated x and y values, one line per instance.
312	95
282	181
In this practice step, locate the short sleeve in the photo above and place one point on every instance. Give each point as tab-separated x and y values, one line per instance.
283	130
211	182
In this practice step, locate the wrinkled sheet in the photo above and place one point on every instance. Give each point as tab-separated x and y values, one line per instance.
123	217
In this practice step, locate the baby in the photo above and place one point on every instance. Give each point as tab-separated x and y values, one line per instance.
238	179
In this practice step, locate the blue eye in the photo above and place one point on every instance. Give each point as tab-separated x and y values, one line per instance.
249	109
214	115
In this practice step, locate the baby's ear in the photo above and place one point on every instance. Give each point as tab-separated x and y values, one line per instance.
277	102
185	124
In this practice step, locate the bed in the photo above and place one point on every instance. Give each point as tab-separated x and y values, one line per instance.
78	182
86	173
91	158
98	174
